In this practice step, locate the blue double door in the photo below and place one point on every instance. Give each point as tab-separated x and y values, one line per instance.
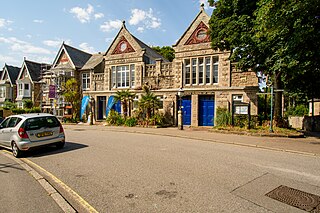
206	110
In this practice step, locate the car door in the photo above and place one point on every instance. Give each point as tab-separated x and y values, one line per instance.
10	130
4	131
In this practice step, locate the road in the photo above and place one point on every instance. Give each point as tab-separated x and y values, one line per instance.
127	172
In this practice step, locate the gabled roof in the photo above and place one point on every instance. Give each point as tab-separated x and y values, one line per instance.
202	12
148	50
77	57
12	72
95	60
33	68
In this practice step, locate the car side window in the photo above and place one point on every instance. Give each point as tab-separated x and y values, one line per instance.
13	122
4	124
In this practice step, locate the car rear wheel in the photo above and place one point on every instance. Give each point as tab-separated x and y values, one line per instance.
60	145
16	152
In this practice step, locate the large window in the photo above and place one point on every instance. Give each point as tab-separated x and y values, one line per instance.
123	76
85	81
201	70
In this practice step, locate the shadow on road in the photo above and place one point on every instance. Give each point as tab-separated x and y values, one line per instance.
52	150
5	166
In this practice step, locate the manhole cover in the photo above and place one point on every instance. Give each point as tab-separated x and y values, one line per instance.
294	197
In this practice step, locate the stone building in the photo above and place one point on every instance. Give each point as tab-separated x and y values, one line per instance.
8	87
206	76
66	65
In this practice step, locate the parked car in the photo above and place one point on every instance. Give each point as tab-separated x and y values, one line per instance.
25	131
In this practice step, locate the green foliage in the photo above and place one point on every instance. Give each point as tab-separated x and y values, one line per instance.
165	51
26	110
125	97
130	122
299	110
27	104
279	38
223	117
148	103
72	95
114	118
9	105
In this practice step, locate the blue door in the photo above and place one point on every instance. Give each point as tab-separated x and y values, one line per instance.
117	107
186	109
206	110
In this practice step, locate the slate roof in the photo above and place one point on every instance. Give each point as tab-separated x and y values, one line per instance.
13	73
34	69
78	57
94	60
149	51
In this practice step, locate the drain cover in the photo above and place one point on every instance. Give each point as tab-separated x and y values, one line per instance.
294	197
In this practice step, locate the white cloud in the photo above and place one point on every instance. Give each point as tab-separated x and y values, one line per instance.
98	15
23	47
9	60
144	18
56	42
85	47
38	21
111	25
84	15
4	22
140	29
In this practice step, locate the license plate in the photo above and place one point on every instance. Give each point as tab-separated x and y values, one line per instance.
44	134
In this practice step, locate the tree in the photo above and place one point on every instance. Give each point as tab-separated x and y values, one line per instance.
165	51
125	97
279	38
148	102
71	94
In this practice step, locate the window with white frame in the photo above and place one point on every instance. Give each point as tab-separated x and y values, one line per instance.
85	81
201	70
24	90
2	92
123	76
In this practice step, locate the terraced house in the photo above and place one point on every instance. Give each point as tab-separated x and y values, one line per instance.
206	77
8	87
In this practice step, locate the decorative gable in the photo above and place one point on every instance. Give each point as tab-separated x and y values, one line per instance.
123	46
199	35
63	58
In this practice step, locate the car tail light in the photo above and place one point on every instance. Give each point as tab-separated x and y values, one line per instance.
61	129
22	133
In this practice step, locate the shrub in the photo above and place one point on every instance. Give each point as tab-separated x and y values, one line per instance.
9	105
299	110
223	117
130	122
114	118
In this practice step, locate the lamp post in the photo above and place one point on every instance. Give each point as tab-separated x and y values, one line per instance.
180	113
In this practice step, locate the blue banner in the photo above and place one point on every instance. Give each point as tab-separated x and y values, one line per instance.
84	104
109	105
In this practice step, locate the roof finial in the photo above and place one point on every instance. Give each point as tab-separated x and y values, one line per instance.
202	6
124	23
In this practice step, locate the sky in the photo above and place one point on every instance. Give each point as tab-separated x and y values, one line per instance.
35	29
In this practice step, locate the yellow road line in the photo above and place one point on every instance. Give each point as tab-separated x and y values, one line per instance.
75	195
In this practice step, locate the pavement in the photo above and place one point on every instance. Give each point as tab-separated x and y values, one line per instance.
308	145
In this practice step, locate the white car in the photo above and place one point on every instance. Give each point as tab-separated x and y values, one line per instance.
25	131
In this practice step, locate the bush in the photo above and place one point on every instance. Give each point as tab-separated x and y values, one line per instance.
9	105
131	122
114	118
299	110
223	117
